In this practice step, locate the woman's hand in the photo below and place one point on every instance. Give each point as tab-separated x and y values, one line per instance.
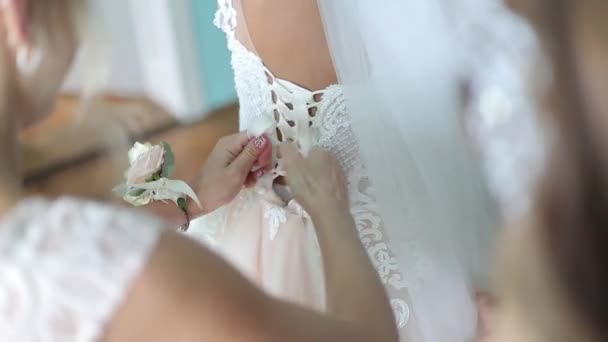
317	181
229	168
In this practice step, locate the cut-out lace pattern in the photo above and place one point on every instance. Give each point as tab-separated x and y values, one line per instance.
312	118
66	267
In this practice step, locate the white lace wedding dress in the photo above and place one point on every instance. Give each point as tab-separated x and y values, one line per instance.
66	267
267	236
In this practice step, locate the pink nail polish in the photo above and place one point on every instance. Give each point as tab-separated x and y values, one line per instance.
259	142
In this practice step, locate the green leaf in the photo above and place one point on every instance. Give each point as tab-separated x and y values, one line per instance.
139	201
169	162
136	192
181	203
155	177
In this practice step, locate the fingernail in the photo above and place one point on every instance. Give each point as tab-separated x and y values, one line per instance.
259	142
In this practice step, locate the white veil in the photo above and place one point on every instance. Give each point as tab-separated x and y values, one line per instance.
403	65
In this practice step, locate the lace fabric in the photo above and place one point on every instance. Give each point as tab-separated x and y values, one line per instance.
406	62
67	265
312	118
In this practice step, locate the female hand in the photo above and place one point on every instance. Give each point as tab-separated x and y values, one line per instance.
235	161
317	182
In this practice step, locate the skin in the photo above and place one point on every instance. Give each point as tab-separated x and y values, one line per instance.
307	60
300	52
228	168
185	292
532	307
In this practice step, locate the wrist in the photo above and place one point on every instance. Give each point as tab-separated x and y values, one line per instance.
331	213
326	205
197	211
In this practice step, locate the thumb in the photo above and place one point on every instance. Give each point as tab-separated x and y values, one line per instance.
245	160
289	154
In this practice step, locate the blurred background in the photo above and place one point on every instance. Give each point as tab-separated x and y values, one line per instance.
170	80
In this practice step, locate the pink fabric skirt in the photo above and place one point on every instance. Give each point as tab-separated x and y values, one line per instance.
272	243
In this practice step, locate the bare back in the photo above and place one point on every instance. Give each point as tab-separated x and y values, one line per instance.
289	38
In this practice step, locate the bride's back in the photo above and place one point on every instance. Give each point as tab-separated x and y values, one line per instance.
289	37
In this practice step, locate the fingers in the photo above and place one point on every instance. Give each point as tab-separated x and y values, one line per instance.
289	154
293	163
234	144
252	178
264	160
250	154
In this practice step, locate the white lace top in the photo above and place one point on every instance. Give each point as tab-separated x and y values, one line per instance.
66	266
313	118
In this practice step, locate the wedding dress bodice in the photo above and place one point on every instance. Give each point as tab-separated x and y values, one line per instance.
308	119
66	267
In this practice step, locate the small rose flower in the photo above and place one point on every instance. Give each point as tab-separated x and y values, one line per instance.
146	163
137	150
148	179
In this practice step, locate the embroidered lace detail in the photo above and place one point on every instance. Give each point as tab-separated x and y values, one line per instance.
275	217
67	266
370	227
297	208
313	118
336	134
401	310
250	84
226	17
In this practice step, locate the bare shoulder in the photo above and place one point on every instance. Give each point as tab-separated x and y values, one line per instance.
290	38
186	293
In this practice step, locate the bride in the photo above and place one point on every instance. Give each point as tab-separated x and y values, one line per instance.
286	82
355	79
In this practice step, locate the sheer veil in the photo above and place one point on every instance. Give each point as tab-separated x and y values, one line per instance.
404	66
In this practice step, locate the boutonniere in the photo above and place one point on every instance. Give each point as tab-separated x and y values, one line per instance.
148	179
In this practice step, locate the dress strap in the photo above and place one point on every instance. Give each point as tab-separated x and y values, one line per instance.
226	17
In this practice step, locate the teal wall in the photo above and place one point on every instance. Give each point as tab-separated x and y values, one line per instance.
215	58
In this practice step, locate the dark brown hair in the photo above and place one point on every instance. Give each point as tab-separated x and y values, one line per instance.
573	196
